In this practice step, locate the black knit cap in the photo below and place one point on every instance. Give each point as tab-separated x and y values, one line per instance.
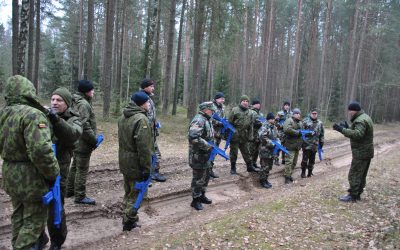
270	116
354	106
146	82
255	101
219	95
286	103
85	86
139	98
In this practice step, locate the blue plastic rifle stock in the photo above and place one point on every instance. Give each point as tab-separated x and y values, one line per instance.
278	146
216	150
158	125
262	119
281	121
226	125
54	195
144	185
100	139
305	132
320	152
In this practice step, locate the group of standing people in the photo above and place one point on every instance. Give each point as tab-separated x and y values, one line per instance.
28	132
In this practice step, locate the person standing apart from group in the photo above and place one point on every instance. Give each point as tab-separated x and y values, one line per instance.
361	134
76	183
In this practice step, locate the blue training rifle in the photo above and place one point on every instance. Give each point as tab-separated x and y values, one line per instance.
227	126
216	150
320	152
55	195
278	146
305	132
100	139
142	186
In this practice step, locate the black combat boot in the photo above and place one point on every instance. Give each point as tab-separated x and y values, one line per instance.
213	174
276	162
41	242
54	247
86	200
287	180
250	168
196	204
265	184
348	198
129	225
233	168
309	174
204	199
157	176
303	173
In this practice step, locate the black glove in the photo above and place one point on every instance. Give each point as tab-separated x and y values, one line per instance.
53	117
344	124
338	127
145	176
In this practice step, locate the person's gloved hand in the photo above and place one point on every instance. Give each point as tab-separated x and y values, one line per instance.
145	176
321	144
338	127
53	117
344	124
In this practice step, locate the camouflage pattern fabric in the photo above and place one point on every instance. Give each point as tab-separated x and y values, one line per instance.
220	111
293	142
255	143
291	161
266	134
311	143
282	115
200	132
358	176
29	165
266	167
308	159
76	182
67	131
136	146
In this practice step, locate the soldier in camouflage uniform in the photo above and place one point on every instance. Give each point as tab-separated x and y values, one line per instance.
147	86
267	133
241	118
200	132
218	102
361	134
310	145
67	129
29	165
292	142
281	117
255	143
76	183
136	147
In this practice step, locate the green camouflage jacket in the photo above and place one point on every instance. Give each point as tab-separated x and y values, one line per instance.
257	115
242	120
25	143
311	143
88	139
266	134
220	111
200	132
361	134
293	139
136	144
151	114
67	132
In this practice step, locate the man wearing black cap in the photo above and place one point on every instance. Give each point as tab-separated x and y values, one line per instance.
136	146
67	129
281	117
255	143
219	107
310	144
147	86
76	183
361	134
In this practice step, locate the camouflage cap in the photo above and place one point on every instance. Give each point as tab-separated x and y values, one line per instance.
207	105
65	95
19	86
244	97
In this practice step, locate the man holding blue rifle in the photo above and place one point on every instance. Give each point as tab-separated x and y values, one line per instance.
67	129
313	143
136	147
281	117
254	143
200	133
219	107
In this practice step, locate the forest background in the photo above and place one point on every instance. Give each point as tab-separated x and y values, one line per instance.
314	53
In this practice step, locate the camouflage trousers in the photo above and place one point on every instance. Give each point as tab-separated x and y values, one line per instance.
244	150
130	196
308	159
28	221
253	148
200	179
266	167
158	154
64	171
76	183
57	235
358	176
290	163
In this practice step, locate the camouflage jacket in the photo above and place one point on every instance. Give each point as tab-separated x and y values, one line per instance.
361	134
88	139
293	140
136	144
67	132
200	132
266	134
220	111
257	115
151	114
25	143
242	120
311	143
282	116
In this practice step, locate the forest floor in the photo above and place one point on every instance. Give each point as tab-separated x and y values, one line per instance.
302	215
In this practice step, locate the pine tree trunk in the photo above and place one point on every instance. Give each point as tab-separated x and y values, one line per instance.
37	47
296	60
267	48
186	68
31	40
120	55
15	33
80	55
23	32
89	42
